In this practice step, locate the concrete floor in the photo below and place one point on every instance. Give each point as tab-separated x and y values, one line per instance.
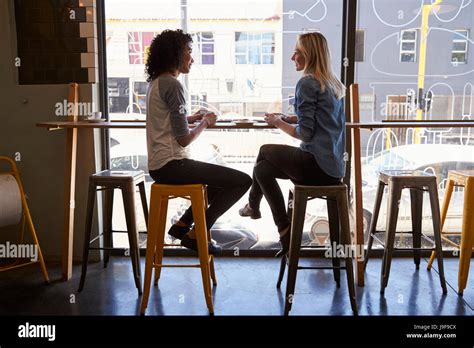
246	286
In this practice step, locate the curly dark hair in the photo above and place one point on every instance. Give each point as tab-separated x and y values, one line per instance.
166	52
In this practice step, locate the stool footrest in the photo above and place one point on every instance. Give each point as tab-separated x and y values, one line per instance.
447	240
321	267
452	233
409	232
107	248
171	265
177	266
121	231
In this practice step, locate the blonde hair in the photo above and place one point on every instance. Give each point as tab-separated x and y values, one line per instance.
315	50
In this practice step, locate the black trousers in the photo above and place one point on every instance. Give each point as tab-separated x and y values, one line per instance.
225	185
283	162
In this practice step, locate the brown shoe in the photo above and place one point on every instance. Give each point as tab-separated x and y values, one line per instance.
247	211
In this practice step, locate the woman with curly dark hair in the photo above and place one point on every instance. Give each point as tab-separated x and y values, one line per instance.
168	136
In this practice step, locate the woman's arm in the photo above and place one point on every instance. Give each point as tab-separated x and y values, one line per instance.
276	120
207	120
173	94
306	104
197	116
306	96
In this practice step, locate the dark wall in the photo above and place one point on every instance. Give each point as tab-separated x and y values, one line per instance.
55	39
40	153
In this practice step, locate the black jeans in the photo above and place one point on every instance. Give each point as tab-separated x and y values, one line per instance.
225	185
283	162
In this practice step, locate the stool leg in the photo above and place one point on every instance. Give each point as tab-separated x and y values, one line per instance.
109	207
128	193
141	187
161	237
284	258
299	206
155	207
416	198
198	207
213	272
395	192
342	207
282	270
87	234
209	237
373	222
467	238
334	231
433	189
211	257
444	211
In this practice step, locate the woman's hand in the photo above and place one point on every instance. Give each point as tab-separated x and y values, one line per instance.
210	118
197	116
290	119
277	120
273	119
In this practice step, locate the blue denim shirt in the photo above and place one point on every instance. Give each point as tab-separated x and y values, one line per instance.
321	125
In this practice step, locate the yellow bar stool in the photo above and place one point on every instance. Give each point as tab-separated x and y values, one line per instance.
160	195
460	178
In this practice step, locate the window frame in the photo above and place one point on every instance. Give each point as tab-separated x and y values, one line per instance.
363	31
457	39
198	53
261	43
142	53
414	41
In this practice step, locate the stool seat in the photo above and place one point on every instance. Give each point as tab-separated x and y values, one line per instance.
111	175
402	173
460	178
407	178
108	180
418	182
160	195
338	213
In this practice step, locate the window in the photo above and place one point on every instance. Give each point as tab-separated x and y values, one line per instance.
238	73
203	48
408	46
198	99
139	97
459	51
138	44
118	94
254	48
393	89
359	45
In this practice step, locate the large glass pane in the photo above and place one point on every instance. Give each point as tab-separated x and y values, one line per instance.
244	70
415	86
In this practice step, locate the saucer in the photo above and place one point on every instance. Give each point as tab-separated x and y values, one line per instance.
244	123
96	120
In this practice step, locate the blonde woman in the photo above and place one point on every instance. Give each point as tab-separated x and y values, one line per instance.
319	124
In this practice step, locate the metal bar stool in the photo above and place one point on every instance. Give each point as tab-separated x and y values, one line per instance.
160	195
418	182
338	213
460	178
108	181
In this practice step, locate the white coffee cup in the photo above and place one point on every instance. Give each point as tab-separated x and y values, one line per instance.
96	115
